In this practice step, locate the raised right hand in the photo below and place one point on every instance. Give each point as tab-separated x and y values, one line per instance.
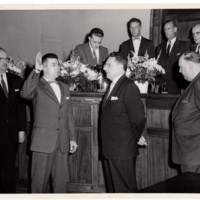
38	62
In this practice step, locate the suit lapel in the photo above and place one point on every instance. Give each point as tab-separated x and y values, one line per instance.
130	45
89	54
141	47
10	86
183	94
175	49
113	92
49	91
63	95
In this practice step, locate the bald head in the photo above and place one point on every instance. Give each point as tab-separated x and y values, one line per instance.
196	33
189	64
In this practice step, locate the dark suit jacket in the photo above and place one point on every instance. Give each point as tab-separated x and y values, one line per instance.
186	126
145	45
193	47
52	120
85	54
122	121
174	80
12	117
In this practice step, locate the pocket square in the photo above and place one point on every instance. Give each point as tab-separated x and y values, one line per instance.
67	97
178	54
114	98
16	90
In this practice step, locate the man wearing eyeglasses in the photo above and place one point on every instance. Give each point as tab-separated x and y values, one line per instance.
12	124
138	44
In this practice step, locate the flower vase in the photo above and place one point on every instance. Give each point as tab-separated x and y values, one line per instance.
143	87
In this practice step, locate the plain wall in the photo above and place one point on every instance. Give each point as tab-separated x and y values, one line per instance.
25	32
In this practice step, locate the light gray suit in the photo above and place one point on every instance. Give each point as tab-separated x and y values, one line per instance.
53	129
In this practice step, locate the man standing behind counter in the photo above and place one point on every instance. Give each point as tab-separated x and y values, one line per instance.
53	135
168	53
92	52
122	123
138	44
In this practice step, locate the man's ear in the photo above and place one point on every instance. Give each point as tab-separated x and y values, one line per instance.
175	29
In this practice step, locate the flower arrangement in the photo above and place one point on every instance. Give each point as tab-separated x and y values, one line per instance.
79	75
142	69
15	66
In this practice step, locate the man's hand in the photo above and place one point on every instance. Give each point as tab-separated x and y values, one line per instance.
38	62
142	141
73	146
21	137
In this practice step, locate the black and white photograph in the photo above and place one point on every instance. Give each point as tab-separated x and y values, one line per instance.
99	100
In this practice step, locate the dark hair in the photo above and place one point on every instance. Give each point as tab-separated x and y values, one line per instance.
97	32
134	20
48	55
192	56
119	58
174	22
2	49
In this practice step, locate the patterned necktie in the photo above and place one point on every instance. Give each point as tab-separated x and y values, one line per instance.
168	49
3	84
95	56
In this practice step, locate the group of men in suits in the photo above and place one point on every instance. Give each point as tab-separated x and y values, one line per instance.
53	134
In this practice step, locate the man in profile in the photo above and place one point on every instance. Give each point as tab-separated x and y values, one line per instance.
186	117
122	123
138	44
92	52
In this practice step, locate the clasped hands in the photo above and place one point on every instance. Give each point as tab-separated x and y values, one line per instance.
142	141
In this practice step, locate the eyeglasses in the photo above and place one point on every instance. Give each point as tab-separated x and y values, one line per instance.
6	59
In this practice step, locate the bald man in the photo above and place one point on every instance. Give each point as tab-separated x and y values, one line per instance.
196	36
186	117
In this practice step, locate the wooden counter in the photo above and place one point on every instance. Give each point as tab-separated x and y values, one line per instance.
153	164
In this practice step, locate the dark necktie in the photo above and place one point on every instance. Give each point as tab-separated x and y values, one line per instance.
95	56
3	84
168	49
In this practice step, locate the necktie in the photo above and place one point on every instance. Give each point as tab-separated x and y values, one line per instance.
198	49
3	84
109	90
168	49
95	56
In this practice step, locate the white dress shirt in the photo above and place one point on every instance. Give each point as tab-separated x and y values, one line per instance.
136	44
96	51
55	88
113	84
5	80
172	44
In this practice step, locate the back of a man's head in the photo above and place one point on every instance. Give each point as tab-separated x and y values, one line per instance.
191	56
47	56
97	32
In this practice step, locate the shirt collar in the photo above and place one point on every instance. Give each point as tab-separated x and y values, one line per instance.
138	37
172	41
93	49
116	79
